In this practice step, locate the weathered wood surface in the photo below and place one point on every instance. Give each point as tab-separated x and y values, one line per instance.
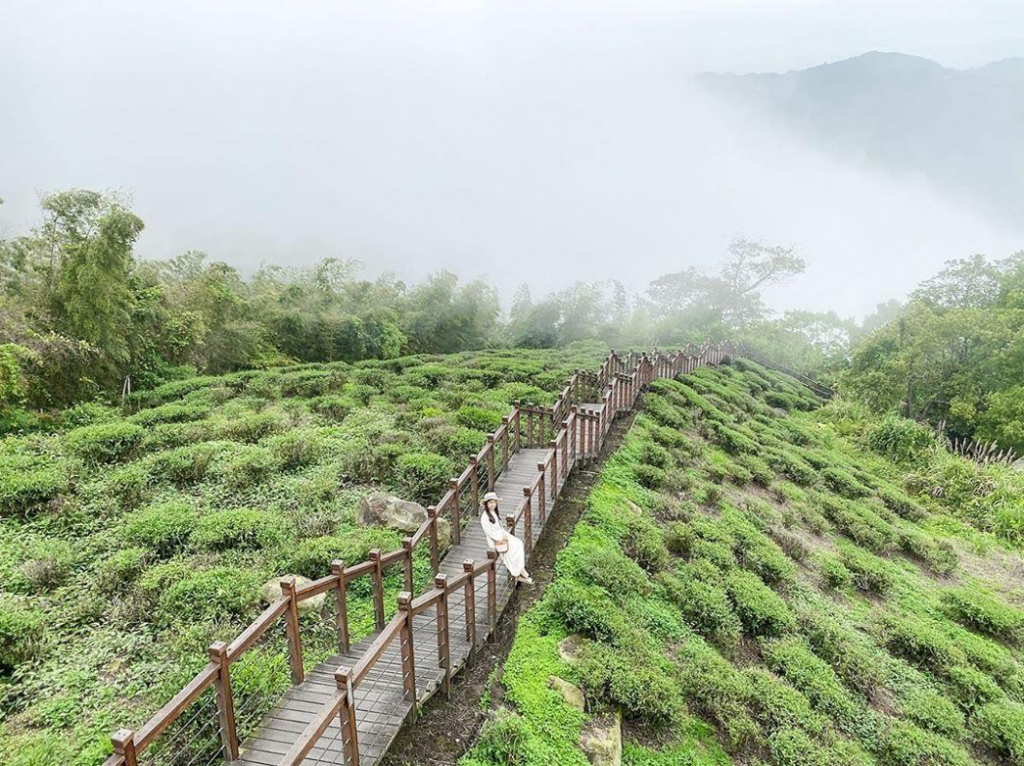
378	700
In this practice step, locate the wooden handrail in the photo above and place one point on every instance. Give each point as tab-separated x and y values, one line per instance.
166	715
377	648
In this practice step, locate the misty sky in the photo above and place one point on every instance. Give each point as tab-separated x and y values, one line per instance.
519	141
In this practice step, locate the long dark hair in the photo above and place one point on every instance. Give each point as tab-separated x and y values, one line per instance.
491	516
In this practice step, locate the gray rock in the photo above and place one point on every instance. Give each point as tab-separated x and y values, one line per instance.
569	648
571	693
271	591
382	510
601	740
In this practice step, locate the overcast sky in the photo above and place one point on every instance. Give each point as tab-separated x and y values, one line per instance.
521	140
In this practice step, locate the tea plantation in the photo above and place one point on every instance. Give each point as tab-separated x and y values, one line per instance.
764	580
133	537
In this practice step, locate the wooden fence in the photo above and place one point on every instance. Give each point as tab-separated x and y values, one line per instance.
570	434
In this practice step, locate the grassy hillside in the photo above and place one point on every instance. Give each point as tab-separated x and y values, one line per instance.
762	581
129	541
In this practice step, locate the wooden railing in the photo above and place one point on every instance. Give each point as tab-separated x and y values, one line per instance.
569	433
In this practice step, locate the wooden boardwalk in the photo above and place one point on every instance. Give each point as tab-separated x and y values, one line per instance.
379	701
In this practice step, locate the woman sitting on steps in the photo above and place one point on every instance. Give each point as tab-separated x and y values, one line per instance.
513	555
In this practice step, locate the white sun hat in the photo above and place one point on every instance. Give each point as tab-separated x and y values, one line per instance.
490	496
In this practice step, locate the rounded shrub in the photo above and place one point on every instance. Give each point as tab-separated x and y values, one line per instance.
164	528
239	528
833	572
312	558
478	418
607	567
21	632
104	442
906	744
644	542
705	608
28	482
649	476
210	594
984	612
901	439
760	609
503	739
1001	727
423	476
585	609
656	455
121	569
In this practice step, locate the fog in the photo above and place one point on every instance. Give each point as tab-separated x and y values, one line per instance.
518	141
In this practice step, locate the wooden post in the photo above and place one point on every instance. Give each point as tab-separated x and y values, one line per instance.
492	591
124	746
347	717
529	426
408	653
490	462
504	444
565	448
444	657
519	428
541	506
341	602
407	545
435	557
456	516
554	468
528	521
469	596
474	482
225	701
291	620
377	577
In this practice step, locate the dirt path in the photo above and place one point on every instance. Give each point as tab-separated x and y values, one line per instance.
446	728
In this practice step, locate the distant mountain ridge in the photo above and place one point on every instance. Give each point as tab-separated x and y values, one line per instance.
962	130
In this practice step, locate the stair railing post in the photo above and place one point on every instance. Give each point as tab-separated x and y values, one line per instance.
444	657
435	557
341	605
291	620
469	596
377	577
553	445
529	425
519	428
474	483
490	462
528	521
347	717
492	592
542	500
408	651
504	443
407	547
456	515
124	746
225	701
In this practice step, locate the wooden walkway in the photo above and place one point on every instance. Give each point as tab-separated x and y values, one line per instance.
379	701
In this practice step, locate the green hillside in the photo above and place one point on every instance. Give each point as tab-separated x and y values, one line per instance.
760	580
130	540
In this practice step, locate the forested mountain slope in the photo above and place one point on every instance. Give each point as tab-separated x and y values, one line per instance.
761	579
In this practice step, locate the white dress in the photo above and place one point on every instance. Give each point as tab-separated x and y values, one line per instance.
514	558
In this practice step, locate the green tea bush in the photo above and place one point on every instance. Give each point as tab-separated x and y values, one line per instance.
210	594
645	544
1001	727
937	554
793	658
164	528
759	469
714	552
332	406
423	476
731	440
900	503
247	467
843	482
184	465
655	455
312	558
760	609
585	609
869	572
27	482
777	705
104	442
121	569
663	412
48	563
984	612
478	418
632	678
970	687
833	572
901	439
793	747
295	449
22	629
250	428
239	529
649	476
905	744
791	466
705	607
608	568
173	412
717	691
504	739
931	710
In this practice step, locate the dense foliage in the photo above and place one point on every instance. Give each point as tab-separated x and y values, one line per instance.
792	584
131	539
